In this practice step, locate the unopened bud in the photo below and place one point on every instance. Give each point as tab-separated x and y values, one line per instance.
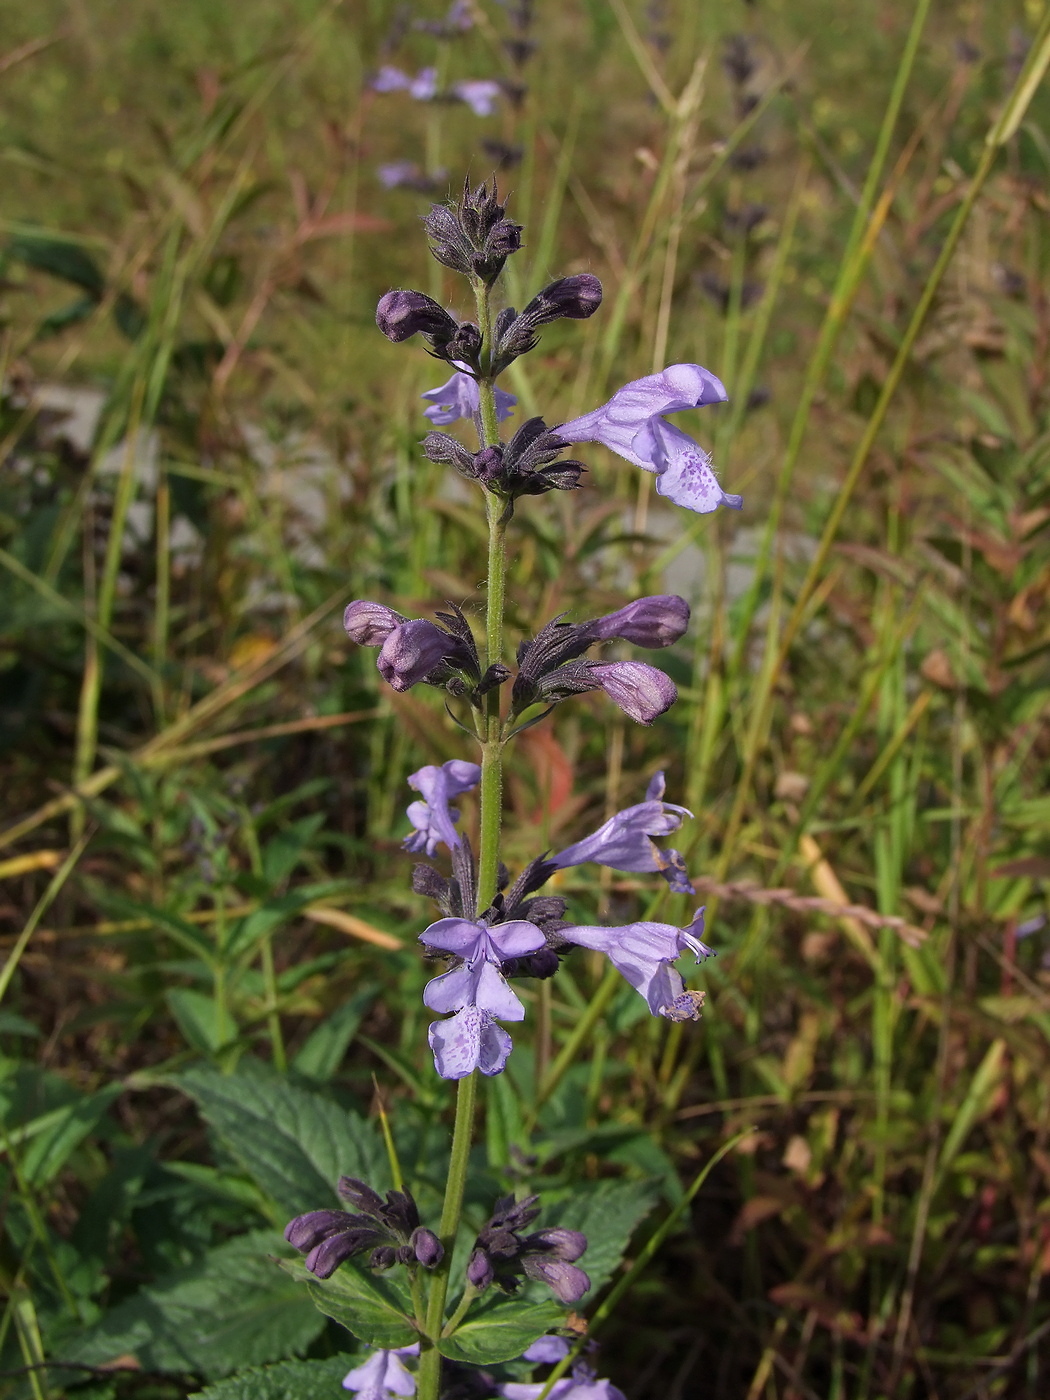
402	314
427	1248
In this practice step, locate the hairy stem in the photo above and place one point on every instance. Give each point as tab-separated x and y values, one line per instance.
428	1379
429	1375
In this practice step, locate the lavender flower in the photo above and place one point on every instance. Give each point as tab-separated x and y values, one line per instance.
406	174
641	691
623	842
459	398
412	651
401	314
657	621
502	1253
646	953
369	624
434	820
547	1350
423	87
476	991
383	1374
631	424
390	1229
480	95
581	1385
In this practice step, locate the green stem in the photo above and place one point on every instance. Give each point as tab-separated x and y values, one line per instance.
429	1375
490	734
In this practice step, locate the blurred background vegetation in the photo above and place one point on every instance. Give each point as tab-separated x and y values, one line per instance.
207	449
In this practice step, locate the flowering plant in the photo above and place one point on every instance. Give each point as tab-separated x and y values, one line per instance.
495	930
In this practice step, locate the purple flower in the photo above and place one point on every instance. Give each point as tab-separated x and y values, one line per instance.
502	1253
656	621
632	425
401	314
422	87
468	1041
646	953
623	842
406	174
390	79
547	1350
369	624
411	652
581	1387
383	1374
480	95
434	820
476	991
459	399
641	691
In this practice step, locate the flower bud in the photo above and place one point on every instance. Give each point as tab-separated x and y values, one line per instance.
307	1231
641	691
369	624
411	652
559	1243
402	314
384	1256
653	622
575	297
427	1248
480	1272
566	1281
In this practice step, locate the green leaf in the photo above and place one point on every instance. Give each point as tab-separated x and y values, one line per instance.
235	1308
608	1214
500	1330
292	1141
323	1050
289	1380
373	1307
61	1132
195	1015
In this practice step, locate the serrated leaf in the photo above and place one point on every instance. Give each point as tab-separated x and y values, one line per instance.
500	1330
235	1308
374	1307
289	1380
293	1142
608	1214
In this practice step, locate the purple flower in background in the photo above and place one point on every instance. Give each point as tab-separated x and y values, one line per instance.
632	425
422	87
434	820
646	953
383	1374
406	174
459	399
480	95
476	991
641	691
624	841
390	79
657	621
